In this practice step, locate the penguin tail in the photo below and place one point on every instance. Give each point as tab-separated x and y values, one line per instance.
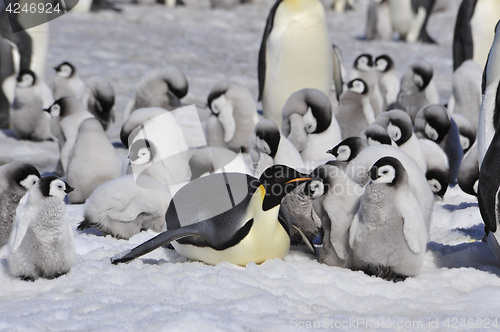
156	242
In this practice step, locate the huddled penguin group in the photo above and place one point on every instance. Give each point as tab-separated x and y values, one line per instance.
348	161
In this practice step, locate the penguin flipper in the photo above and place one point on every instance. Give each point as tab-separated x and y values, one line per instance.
462	37
287	221
156	242
413	220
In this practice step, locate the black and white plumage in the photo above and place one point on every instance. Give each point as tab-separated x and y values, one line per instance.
409	19
378	21
348	149
100	100
234	115
15	180
388	80
468	173
42	244
467	131
364	69
388	237
67	82
438	168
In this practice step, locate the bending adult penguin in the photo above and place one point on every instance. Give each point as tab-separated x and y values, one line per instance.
136	119
388	80
389	236
15	180
42	244
409	19
474	31
159	88
363	68
318	122
234	115
92	161
375	134
355	112
295	53
230	217
100	100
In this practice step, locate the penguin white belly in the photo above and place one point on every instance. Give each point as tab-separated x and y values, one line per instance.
492	239
266	239
485	17
40	39
401	16
486	129
83	6
299	55
318	144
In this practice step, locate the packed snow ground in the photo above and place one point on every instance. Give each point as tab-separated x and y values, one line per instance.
457	289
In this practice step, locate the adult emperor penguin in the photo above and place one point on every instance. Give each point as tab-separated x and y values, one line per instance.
159	88
363	68
388	80
15	180
490	106
230	217
67	82
474	31
355	112
389	235
122	209
268	147
28	120
234	115
375	134
438	169
336	199
42	244
295	53
318	122
92	161
100	100
378	21
409	19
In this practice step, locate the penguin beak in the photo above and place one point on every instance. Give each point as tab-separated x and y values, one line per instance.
69	189
299	180
374	173
330	151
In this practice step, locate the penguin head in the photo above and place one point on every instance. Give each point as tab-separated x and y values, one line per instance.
26	175
399	126
141	152
52	186
388	170
26	78
435	125
438	181
313	105
348	149
364	62
268	136
278	181
422	74
217	92
321	180
175	80
359	86
65	70
384	63
376	134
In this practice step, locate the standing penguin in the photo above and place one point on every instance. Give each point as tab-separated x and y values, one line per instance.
389	236
92	160
42	244
474	31
28	119
409	19
100	100
15	180
363	68
233	117
378	21
295	53
388	81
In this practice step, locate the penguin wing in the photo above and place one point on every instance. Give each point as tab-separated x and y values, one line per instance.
462	37
340	227
353	230
21	223
428	6
287	221
413	220
263	48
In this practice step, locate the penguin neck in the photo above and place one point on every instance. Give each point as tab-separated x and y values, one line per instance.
299	5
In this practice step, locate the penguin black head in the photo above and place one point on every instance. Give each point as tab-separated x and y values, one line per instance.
65	70
216	92
269	132
25	175
318	116
438	181
52	186
364	62
279	180
26	78
400	126
63	106
376	134
320	180
438	122
359	86
422	74
141	152
388	170
348	149
384	63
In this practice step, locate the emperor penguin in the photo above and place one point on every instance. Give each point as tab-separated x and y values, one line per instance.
490	105
318	122
474	31
121	208
355	112
363	68
100	100
388	80
92	160
378	21
136	119
234	115
268	147
468	173
438	168
466	130
409	19
159	88
67	82
389	236
67	113
348	149
28	119
15	180
375	134
229	217
295	53
336	199
42	244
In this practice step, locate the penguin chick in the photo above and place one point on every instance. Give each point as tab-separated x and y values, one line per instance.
378	21
268	147
32	96
468	173
389	236
234	115
348	149
100	100
15	180
438	169
375	134
409	19
159	88
67	82
355	112
336	199
41	244
363	68
92	162
122	209
388	80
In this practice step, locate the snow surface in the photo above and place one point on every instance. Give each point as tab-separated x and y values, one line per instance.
458	288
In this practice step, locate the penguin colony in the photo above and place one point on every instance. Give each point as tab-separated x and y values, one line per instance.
356	157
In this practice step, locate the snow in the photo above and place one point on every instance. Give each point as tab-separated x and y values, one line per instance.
458	287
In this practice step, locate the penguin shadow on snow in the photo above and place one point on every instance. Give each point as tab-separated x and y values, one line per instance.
461	206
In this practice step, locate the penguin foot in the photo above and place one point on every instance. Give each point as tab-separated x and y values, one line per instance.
384	272
27	278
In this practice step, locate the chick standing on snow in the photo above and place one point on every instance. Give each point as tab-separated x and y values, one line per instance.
42	244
